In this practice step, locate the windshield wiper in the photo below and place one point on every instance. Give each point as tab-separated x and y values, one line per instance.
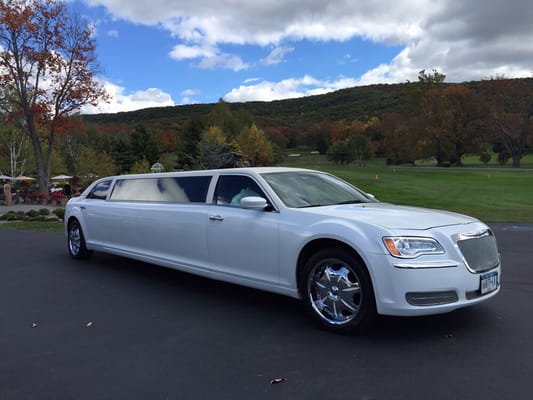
351	202
313	205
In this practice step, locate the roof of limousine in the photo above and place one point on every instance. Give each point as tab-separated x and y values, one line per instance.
249	170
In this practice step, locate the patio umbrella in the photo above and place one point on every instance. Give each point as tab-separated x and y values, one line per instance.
61	177
24	178
4	177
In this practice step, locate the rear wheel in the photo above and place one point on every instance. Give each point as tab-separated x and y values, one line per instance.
337	291
76	241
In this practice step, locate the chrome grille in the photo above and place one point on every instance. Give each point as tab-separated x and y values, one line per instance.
480	251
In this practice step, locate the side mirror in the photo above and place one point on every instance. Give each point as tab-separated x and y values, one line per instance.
253	203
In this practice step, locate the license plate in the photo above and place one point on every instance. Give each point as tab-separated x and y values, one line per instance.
489	282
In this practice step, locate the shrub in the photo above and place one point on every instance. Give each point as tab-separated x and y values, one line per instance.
44	211
32	214
13	216
9	216
60	213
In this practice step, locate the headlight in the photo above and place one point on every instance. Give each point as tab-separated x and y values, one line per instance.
411	247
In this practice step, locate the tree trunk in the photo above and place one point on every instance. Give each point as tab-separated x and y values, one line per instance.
516	160
39	162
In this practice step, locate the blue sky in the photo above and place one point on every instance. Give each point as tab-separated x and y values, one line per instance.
172	52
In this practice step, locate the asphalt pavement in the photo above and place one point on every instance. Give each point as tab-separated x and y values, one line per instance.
112	328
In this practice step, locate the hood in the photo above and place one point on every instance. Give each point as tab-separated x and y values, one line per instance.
392	216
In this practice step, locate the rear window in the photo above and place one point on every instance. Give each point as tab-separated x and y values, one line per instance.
189	189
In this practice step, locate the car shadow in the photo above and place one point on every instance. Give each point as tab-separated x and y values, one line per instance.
265	306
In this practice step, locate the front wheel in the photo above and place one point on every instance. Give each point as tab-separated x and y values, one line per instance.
337	291
76	241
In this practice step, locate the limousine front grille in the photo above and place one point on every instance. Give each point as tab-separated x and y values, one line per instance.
479	250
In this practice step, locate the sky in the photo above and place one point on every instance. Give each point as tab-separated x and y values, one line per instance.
173	52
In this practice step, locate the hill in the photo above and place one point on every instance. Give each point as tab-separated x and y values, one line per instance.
361	102
341	105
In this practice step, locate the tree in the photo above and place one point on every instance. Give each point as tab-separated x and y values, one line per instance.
231	123
432	112
122	154
140	167
47	64
511	117
254	143
214	151
188	137
401	143
431	79
94	164
319	136
460	122
340	152
13	150
71	150
352	145
144	145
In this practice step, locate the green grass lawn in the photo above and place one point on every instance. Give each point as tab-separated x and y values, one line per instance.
490	194
33	226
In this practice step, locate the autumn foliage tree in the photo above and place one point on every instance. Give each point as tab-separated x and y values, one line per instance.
47	67
511	117
254	143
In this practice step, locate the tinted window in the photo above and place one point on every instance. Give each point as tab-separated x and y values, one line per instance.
100	190
232	188
169	189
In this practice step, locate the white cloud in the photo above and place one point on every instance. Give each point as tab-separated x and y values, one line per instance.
210	57
464	39
121	101
183	52
287	88
226	61
190	92
112	33
277	55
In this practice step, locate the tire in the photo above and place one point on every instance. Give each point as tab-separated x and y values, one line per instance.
76	241
337	291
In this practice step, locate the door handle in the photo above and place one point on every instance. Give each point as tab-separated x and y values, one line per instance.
216	218
82	207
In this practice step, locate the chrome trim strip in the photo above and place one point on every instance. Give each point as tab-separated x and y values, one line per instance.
422	265
471	235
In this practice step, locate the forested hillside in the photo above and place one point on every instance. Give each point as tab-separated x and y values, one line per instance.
402	123
343	105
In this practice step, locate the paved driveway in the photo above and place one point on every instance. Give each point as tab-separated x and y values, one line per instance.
111	328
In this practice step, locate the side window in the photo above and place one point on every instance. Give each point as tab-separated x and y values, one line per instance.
191	189
99	192
195	187
232	188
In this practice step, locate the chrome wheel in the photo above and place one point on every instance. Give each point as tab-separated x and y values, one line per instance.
337	290
76	241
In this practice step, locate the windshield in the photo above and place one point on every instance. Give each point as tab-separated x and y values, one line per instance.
314	189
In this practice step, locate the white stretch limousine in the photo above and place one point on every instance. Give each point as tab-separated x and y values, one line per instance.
297	232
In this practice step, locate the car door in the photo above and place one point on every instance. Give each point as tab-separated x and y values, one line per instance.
242	243
99	221
163	219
